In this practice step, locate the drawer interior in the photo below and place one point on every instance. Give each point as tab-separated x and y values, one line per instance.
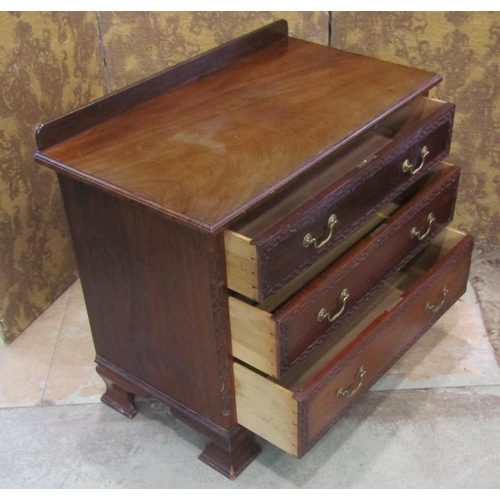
370	228
383	300
254	331
241	255
269	407
355	156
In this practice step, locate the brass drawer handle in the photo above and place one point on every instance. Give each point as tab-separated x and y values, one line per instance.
309	240
349	393
408	167
323	314
416	234
435	309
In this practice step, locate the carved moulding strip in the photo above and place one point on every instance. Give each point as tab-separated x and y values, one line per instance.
220	311
266	245
282	339
304	445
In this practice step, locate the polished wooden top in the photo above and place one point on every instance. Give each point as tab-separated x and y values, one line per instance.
210	150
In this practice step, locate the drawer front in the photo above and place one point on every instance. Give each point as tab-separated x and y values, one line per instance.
296	413
314	313
289	247
361	364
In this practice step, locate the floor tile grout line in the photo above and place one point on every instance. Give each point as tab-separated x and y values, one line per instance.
85	403
57	343
66	405
472	386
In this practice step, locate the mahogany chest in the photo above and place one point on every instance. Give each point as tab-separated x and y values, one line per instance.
260	234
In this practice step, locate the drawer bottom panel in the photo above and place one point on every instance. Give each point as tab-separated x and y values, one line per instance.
294	413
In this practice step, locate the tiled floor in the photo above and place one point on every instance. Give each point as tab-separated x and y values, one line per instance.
431	421
485	277
52	362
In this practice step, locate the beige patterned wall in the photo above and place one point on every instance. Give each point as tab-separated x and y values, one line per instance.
138	44
50	63
464	48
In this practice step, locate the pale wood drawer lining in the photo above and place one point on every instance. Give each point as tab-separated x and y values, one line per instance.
268	408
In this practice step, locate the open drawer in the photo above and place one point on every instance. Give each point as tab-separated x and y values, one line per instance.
274	244
295	412
275	335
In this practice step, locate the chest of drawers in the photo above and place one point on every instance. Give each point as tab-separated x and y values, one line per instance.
260	234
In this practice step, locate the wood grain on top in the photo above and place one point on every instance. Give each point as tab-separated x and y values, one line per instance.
206	152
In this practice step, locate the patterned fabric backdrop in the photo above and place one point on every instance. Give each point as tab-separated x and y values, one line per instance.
50	63
464	48
138	44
